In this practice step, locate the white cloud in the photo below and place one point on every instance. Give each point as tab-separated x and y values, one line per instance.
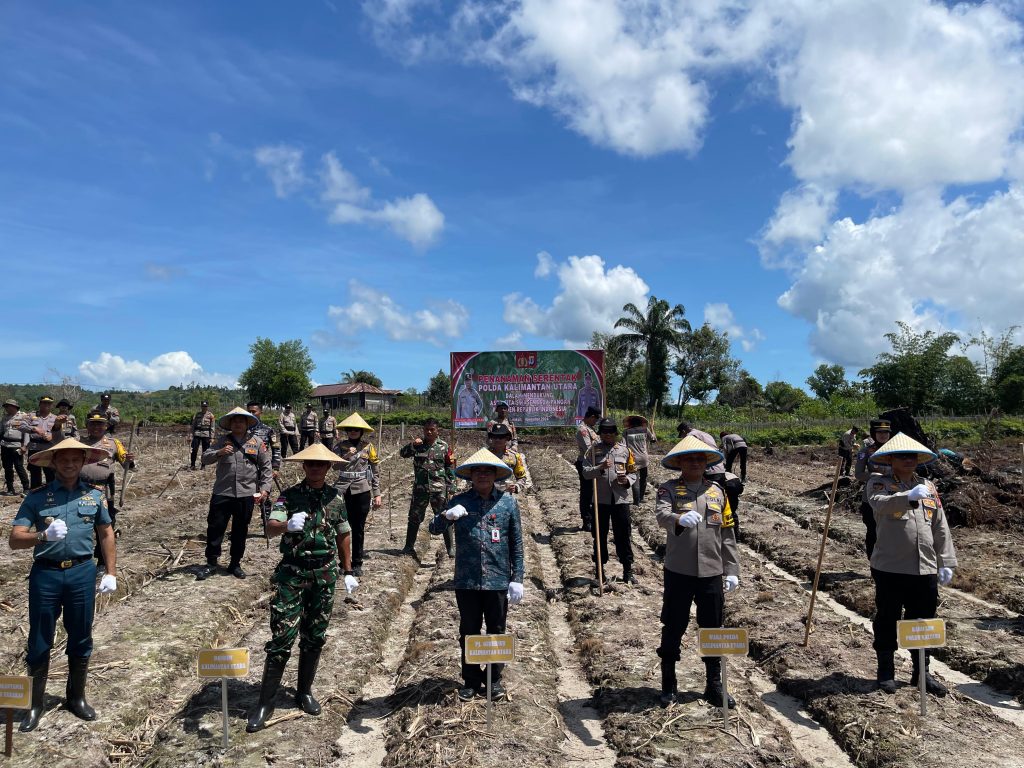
170	368
284	167
370	309
590	298
510	341
800	219
719	315
545	265
162	272
415	219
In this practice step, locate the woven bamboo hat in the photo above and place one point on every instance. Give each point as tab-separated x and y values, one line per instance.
690	444
355	421
902	444
484	458
224	422
636	420
315	452
45	458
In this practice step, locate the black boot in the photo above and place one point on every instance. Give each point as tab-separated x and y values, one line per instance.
78	673
931	685
449	542
272	672
308	661
668	682
39	675
714	692
627	575
886	671
411	529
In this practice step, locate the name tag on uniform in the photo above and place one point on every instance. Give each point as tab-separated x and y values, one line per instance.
87	501
495	536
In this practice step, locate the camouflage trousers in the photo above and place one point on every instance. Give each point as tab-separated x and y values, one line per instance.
420	499
302	607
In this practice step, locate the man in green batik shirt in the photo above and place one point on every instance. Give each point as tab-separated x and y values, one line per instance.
311	520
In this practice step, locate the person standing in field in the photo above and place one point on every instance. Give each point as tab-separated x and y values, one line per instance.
735	447
13	447
636	435
109	412
101	473
498	440
847	444
433	465
501	417
879	431
611	463
357	480
39	426
328	429
586	437
309	427
202	432
66	421
289	430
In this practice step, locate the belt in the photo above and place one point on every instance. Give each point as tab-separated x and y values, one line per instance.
61	565
309	563
352	475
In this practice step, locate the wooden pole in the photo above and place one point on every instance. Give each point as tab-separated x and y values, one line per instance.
9	733
597	527
821	551
124	474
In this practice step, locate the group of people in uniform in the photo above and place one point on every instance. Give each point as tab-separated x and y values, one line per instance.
69	522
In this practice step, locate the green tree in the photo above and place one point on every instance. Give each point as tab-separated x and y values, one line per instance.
1010	393
278	373
703	363
783	397
912	374
439	390
741	390
625	379
963	390
827	381
361	377
652	334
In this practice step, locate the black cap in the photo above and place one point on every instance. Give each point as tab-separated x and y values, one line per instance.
63	402
251	403
499	430
592	411
287	405
607	425
204	404
104	397
881	424
327	410
309	405
501	404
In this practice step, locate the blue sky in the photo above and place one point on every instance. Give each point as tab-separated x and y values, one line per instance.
389	181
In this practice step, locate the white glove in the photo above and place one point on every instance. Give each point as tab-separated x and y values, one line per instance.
108	584
456	512
731	583
918	492
351	582
56	531
689	519
945	576
297	522
515	593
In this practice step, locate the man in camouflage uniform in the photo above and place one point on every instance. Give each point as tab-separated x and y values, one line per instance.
13	447
315	535
109	412
358	480
309	427
39	426
879	429
66	421
433	481
101	473
501	417
202	431
328	429
289	430
498	437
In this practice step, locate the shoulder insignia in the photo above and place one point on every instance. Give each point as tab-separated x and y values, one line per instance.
664	492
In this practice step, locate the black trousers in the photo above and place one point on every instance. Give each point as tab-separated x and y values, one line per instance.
640	486
870	535
358	507
222	510
618	516
477	607
680	593
586	495
901	596
306	438
109	489
328	442
847	457
742	454
288	441
36	474
14	461
197	443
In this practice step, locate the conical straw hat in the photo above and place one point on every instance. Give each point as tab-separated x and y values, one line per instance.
315	452
901	443
690	444
45	458
224	422
355	421
484	458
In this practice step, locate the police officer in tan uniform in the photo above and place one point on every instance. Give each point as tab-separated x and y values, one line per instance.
66	421
879	430
611	463
501	417
913	555
13	447
328	430
39	426
289	430
498	442
636	434
701	561
109	412
309	427
101	473
357	480
202	431
585	438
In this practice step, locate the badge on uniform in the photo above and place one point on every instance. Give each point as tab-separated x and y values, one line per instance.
495	536
715	518
48	519
929	508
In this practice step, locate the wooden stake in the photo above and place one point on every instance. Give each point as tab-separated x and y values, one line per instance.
9	734
124	474
821	551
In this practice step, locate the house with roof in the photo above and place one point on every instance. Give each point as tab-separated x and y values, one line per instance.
356	397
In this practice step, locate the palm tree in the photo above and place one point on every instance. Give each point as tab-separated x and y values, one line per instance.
360	377
653	335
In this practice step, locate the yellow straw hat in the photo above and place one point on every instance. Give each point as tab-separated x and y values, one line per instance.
224	422
45	458
484	458
901	444
315	452
690	444
355	421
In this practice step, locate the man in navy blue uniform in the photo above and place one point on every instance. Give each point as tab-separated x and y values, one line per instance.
59	520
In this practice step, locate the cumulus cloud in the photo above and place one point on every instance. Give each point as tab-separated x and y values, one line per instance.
170	368
590	298
370	309
415	219
800	219
545	265
719	315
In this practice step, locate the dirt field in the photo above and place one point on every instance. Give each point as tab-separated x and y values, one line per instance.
584	688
